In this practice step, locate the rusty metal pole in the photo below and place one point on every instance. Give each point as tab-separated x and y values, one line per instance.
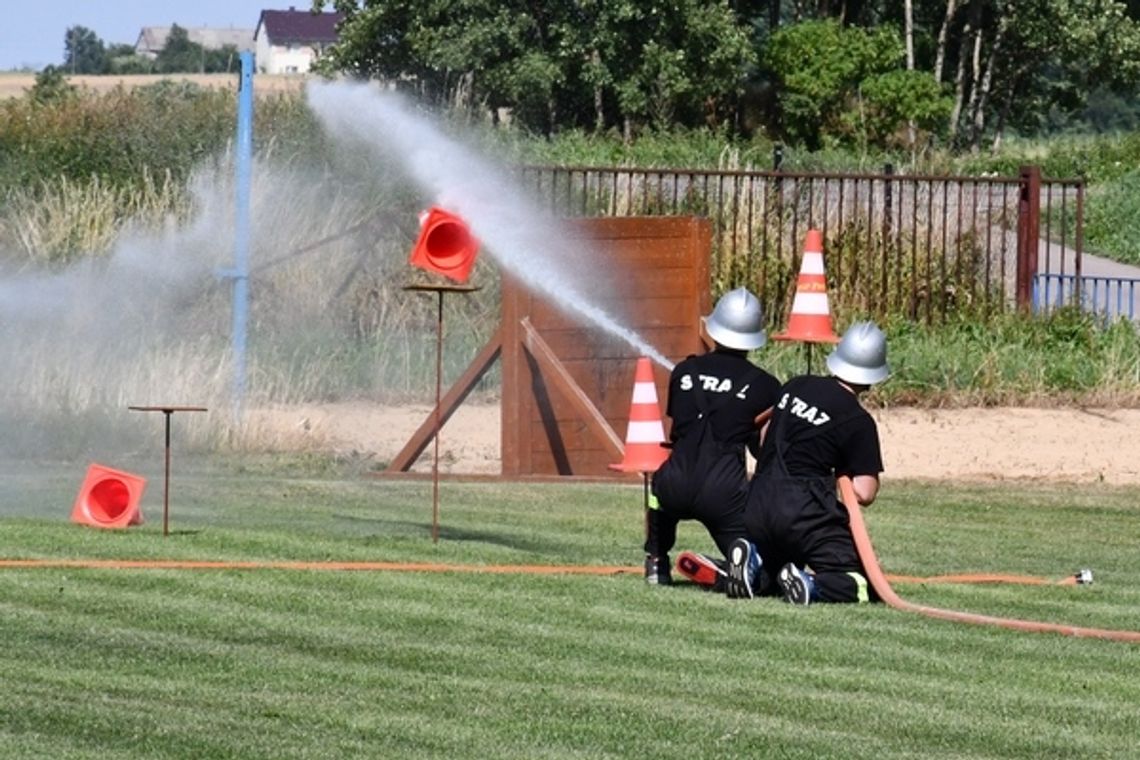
437	412
167	411
437	421
1028	220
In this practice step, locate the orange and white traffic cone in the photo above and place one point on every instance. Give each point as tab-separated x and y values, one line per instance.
445	245
810	320
645	435
108	498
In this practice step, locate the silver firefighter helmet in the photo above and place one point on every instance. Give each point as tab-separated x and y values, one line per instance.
737	321
861	356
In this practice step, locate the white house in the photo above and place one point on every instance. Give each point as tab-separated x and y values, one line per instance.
288	42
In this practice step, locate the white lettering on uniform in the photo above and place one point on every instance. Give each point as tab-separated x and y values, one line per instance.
714	384
686	382
743	392
783	403
806	413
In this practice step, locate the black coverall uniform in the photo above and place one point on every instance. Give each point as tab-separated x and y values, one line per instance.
732	391
817	432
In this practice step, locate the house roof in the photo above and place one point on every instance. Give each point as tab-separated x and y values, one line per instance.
153	38
298	26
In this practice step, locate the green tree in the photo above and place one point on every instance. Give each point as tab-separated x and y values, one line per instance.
594	63
83	51
179	54
221	60
123	59
1013	64
821	66
668	63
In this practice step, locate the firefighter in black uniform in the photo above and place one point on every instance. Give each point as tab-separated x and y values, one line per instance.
713	400
817	432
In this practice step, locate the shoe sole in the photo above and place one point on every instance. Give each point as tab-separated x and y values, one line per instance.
739	586
794	588
700	570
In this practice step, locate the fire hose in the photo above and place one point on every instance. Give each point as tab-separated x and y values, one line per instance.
883	588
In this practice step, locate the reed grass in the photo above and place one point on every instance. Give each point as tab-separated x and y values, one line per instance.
330	318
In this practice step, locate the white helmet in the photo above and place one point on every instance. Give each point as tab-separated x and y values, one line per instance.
861	356
737	321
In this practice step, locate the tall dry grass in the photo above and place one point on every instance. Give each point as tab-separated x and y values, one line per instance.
128	300
53	223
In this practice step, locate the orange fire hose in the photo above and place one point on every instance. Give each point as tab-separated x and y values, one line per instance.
883	588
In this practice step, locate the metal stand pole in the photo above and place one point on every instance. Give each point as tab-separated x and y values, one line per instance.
167	411
438	423
166	477
437	413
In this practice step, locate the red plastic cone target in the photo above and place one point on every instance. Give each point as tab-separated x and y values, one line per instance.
810	320
643	439
445	245
109	498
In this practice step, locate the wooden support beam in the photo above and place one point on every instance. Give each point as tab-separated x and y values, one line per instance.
455	395
561	379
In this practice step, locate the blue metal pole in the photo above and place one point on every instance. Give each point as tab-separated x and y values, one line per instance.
240	274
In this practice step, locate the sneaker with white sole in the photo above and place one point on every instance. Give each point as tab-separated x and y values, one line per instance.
702	570
743	567
797	585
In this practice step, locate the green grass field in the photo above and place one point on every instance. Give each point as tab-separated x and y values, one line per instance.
142	663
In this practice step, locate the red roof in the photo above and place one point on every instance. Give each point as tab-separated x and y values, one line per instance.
299	26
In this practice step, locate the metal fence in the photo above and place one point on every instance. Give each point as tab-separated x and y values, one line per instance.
1109	297
921	246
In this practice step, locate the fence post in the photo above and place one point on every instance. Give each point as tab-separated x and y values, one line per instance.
1028	226
888	233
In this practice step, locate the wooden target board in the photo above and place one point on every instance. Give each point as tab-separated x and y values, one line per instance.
567	384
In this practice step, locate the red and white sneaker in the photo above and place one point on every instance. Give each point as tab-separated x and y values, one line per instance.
702	570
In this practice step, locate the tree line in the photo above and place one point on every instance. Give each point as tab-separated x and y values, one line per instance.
816	73
84	52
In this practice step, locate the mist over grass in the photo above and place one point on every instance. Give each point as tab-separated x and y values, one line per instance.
116	293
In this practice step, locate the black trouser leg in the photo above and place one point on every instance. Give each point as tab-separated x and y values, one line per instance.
660	532
839	574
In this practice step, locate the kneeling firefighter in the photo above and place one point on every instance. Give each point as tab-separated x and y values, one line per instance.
714	400
817	432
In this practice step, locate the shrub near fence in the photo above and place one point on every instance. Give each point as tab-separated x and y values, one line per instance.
923	247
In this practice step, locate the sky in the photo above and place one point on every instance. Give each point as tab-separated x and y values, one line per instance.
33	30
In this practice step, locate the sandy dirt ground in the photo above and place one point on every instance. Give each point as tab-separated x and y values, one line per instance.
1061	445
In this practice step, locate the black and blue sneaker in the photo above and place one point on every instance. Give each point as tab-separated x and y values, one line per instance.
797	585
743	569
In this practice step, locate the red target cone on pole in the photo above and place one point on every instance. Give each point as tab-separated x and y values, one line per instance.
646	432
445	245
810	320
108	498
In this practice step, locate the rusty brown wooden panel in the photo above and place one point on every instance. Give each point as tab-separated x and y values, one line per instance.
514	437
660	278
642	313
554	373
577	344
635	227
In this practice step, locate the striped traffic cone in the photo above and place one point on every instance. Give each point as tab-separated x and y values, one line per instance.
645	435
108	498
810	320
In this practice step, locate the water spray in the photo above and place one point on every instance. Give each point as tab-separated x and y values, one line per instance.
518	235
